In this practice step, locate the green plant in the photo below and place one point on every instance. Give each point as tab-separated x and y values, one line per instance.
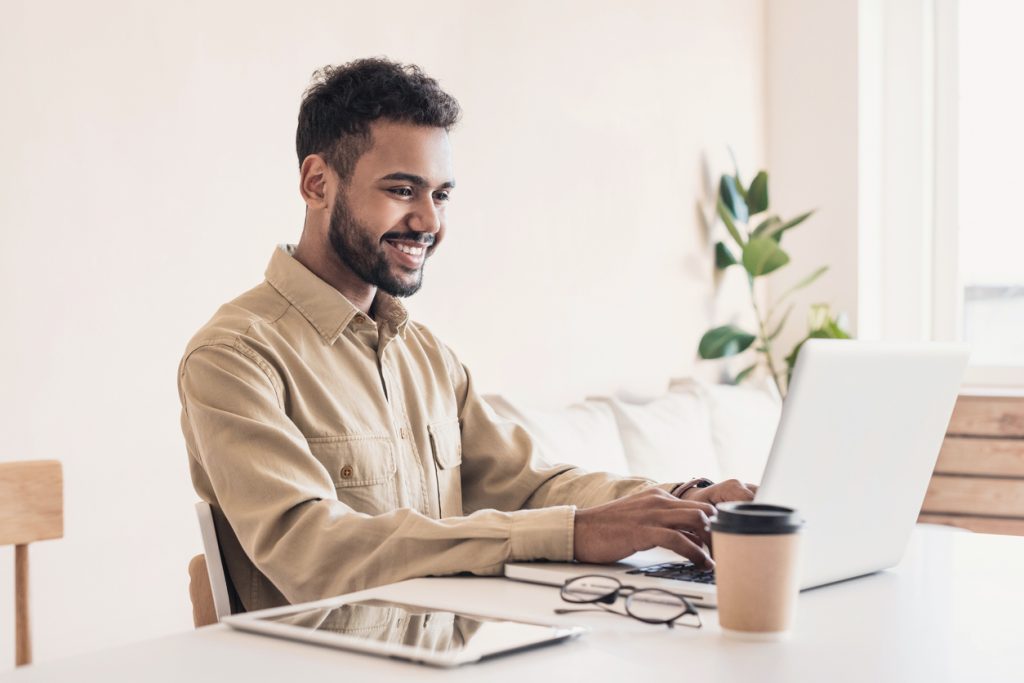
761	253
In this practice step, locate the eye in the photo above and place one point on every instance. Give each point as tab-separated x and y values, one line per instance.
401	191
443	196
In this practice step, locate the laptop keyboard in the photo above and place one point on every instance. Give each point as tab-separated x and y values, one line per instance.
678	571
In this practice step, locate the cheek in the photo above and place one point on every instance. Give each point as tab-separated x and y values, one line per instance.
380	214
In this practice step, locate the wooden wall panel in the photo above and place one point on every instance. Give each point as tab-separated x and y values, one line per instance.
988	416
975	496
978	482
993	457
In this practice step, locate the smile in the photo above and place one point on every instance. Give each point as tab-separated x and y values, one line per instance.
415	251
408	255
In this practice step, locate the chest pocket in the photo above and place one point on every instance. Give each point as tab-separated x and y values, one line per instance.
362	469
446	444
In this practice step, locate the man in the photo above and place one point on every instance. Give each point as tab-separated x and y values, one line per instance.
344	445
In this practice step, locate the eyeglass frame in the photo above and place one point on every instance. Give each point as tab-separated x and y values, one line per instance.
603	601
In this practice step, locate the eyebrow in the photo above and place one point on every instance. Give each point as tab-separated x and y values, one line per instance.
418	181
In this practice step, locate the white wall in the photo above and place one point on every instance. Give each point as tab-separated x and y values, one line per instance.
850	131
813	149
147	171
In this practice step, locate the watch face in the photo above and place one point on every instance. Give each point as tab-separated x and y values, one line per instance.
703	484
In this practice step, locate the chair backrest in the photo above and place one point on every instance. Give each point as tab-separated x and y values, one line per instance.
203	611
31	509
214	563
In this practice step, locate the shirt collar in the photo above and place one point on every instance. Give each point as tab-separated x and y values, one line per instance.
326	309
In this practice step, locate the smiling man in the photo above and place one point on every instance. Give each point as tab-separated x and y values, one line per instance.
343	445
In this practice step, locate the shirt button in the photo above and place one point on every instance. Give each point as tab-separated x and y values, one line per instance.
346	472
359	319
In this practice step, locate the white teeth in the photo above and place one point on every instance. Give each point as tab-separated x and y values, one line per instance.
413	251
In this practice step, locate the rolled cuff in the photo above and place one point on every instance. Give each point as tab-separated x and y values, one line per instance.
544	534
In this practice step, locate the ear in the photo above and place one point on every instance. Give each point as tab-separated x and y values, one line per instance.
314	177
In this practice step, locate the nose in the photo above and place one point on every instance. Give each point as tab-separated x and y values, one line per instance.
426	217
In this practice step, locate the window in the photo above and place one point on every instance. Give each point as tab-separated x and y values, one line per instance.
979	239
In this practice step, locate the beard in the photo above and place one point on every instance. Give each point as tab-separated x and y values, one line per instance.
366	258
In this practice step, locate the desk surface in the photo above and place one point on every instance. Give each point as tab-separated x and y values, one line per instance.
953	610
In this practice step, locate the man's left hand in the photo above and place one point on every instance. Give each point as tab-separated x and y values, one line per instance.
730	489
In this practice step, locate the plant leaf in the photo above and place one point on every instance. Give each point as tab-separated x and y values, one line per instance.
723	212
762	255
765	225
831	330
757	195
735	167
739	187
828	328
723	257
803	283
792	222
791	358
782	323
723	341
818	316
744	373
733	199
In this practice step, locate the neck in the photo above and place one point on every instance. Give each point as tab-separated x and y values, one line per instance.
319	258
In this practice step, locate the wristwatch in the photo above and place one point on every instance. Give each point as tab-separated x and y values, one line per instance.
699	483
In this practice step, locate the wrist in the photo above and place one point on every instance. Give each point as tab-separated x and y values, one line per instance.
691	486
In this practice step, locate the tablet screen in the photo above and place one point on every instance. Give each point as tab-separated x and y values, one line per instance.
429	633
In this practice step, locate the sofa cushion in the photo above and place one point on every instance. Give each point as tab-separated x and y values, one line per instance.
743	424
667	438
583	434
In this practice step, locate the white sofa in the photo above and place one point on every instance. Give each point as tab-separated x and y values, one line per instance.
693	429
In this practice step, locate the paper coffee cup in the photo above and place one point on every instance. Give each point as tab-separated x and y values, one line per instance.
756	549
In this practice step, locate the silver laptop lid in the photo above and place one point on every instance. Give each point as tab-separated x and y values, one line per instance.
860	432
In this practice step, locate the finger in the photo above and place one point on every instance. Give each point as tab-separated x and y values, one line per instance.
695	522
696	541
752	487
673	503
680	544
743	492
732	490
706	508
697	517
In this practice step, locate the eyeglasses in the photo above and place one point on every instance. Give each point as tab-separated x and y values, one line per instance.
650	605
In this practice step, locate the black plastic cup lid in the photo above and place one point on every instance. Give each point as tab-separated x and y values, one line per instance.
755	518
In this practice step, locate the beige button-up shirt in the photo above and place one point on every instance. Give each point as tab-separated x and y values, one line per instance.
341	452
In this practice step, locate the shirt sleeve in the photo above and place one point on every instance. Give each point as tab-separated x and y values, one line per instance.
283	507
501	467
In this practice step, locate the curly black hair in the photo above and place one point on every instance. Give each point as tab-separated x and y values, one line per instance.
342	101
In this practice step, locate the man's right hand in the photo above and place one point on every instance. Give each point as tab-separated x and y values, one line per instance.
652	517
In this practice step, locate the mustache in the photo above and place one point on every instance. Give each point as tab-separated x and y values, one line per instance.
425	239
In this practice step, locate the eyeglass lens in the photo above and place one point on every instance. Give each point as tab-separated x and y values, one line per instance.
650	604
594	588
656	605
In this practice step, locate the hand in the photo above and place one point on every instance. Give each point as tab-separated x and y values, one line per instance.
652	517
722	492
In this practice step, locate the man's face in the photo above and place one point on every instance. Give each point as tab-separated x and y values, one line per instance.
390	216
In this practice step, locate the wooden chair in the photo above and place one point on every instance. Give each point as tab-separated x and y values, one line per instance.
209	587
31	509
200	592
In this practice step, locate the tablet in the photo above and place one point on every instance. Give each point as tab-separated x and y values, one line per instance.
401	630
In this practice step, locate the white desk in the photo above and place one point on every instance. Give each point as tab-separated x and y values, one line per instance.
953	610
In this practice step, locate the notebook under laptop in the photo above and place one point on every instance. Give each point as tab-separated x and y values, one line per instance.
857	442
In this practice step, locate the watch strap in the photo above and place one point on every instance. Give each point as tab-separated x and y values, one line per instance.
698	483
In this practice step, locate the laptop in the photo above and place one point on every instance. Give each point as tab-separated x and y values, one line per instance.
855	448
